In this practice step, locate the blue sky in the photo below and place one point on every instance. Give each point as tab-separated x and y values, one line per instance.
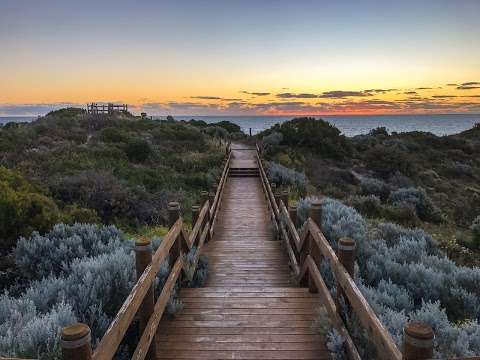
159	52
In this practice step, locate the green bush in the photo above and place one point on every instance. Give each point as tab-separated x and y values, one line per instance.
318	136
230	127
67	112
138	150
22	210
475	227
387	160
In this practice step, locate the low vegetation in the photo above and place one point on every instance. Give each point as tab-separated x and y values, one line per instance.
71	186
411	202
413	179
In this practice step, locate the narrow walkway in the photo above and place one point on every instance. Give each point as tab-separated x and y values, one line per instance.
249	308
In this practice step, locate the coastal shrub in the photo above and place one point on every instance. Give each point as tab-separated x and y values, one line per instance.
418	198
138	150
475	227
22	209
387	160
114	135
41	255
109	197
372	186
271	140
368	205
282	175
216	131
404	276
229	126
26	332
318	136
402	213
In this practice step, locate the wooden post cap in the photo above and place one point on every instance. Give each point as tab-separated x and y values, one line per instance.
346	244
417	341
173	205
315	212
143	243
316	204
75	335
419	332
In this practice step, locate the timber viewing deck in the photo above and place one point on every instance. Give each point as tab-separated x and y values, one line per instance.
264	286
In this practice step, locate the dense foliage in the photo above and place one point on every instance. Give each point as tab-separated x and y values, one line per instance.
76	273
314	135
418	179
117	169
404	276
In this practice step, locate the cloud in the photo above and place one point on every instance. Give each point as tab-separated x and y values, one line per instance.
206	97
424	88
410	93
443	96
34	109
339	94
255	93
452	84
379	91
296	96
470	85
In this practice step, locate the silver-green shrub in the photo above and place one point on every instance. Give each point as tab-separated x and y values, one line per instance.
41	255
426	209
404	276
282	175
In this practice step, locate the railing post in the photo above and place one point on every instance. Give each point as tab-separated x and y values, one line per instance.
284	198
277	197
204	197
316	215
292	211
76	342
346	256
143	258
417	341
173	216
195	211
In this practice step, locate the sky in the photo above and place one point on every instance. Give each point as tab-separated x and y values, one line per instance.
241	57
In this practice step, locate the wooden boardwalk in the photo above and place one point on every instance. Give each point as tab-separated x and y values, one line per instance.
249	307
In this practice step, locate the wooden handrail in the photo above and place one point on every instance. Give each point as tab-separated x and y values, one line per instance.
114	335
379	335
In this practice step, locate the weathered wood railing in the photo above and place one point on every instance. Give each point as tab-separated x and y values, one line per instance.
307	250
76	340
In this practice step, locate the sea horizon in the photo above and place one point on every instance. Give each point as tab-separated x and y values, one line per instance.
349	125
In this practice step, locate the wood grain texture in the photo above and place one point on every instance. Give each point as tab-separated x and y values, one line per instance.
249	307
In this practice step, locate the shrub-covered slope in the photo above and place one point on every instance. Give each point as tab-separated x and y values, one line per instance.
414	179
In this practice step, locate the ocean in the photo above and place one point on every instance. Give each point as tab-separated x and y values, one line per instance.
347	124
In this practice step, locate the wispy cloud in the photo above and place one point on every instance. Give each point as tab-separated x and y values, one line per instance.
296	96
470	85
338	94
255	93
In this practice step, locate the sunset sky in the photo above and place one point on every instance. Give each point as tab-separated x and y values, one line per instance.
213	57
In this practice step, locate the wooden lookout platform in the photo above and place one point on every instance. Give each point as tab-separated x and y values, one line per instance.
249	308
